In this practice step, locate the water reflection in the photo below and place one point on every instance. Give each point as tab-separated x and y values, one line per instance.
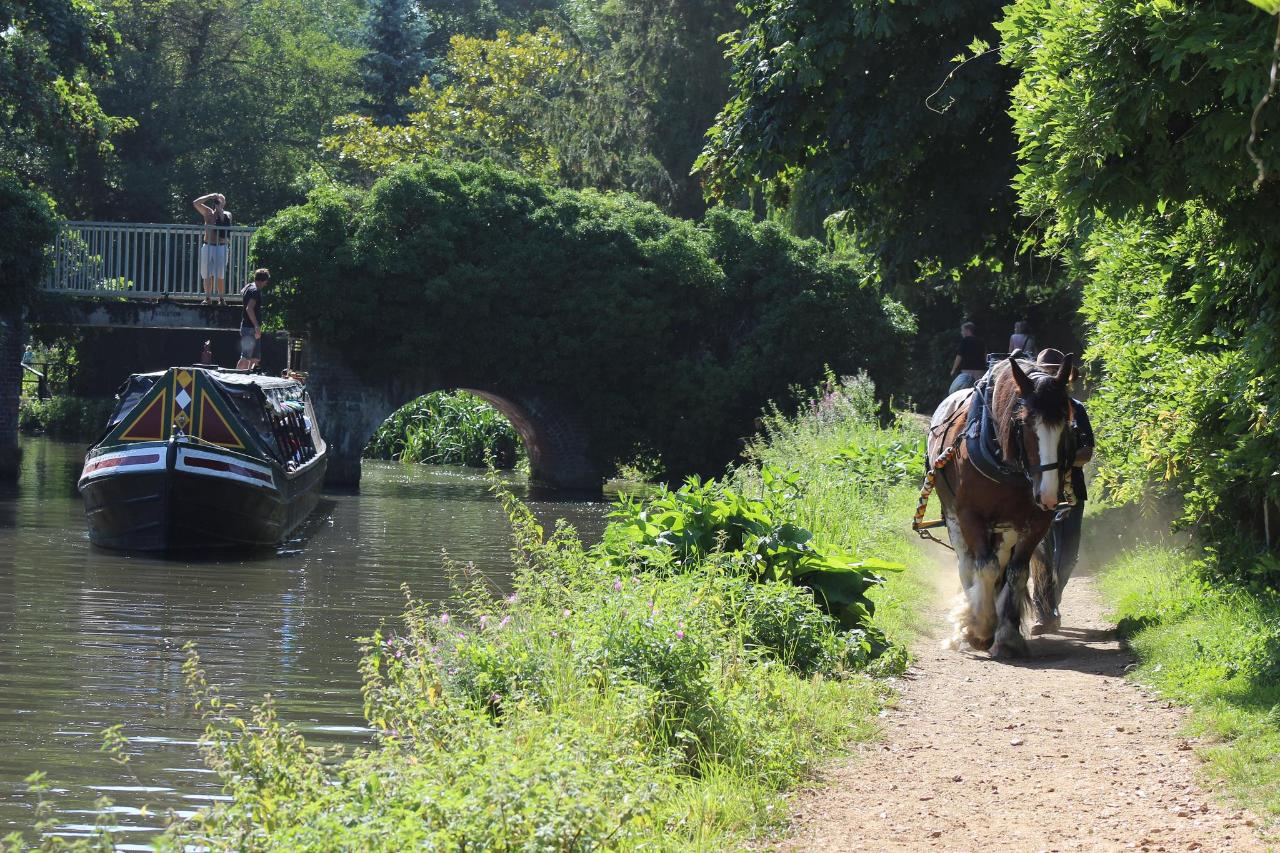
89	638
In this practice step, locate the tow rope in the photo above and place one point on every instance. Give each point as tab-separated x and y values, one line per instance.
918	524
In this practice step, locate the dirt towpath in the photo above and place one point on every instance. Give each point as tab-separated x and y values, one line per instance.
1055	753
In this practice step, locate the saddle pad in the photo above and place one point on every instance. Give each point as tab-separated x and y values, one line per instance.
942	416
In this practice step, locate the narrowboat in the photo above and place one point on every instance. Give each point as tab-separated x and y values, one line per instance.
196	458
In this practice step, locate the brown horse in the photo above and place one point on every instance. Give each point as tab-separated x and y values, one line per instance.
997	513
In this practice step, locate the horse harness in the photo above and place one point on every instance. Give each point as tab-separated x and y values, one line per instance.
979	436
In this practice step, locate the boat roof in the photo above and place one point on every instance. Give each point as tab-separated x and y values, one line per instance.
229	377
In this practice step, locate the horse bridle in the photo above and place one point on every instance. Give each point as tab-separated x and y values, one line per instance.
1066	450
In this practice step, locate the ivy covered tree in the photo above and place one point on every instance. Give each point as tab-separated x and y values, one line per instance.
664	335
1150	148
396	42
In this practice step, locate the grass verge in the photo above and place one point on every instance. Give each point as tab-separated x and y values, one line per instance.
1215	648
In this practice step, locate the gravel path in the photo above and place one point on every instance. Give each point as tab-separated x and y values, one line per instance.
1058	752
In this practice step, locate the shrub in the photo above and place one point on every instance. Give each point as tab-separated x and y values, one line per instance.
74	418
446	428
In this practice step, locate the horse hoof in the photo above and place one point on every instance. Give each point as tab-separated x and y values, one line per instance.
1046	626
979	643
1009	644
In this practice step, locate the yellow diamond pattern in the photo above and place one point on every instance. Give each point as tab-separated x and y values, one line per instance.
184	378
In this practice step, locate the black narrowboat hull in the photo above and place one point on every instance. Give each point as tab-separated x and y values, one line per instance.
179	495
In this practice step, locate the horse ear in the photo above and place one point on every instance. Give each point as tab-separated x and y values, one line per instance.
1064	371
1025	385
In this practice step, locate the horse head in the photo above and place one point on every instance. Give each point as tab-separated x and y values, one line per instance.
1039	424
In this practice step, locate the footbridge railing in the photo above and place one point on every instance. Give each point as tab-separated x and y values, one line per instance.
144	261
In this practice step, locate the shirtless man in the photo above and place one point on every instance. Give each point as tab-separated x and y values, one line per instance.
213	252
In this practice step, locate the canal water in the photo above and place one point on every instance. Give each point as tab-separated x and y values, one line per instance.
90	638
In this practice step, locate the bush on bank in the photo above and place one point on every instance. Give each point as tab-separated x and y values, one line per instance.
665	336
447	428
1214	647
613	698
72	418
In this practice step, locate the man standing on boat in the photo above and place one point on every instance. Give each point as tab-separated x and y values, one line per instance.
251	320
213	251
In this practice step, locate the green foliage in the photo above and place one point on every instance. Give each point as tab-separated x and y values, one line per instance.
1133	120
447	429
673	530
396	38
49	114
229	97
506	284
75	418
27	226
880	110
1214	648
885	126
527	101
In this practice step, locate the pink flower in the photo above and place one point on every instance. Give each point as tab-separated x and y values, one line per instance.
506	620
444	618
565	614
617	585
680	631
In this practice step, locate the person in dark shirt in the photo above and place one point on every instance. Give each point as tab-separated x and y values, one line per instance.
970	361
1065	533
251	320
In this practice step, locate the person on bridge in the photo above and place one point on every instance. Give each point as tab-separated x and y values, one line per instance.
28	356
251	320
212	207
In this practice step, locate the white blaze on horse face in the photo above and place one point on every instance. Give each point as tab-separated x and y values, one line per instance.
1047	437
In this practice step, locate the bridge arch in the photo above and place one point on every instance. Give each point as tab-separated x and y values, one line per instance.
352	406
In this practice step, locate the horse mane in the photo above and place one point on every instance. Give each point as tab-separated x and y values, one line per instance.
1005	399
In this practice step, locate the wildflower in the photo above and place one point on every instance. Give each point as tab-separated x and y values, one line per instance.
484	619
617	585
680	631
505	621
512	598
444	618
495	699
565	614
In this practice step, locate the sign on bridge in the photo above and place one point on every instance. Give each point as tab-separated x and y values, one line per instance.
141	261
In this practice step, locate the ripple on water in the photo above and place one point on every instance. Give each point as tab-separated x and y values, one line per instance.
92	638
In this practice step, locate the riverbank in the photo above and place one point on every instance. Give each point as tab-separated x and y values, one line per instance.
68	418
1215	648
615	696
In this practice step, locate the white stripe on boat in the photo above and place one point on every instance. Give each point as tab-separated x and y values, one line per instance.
225	467
124	462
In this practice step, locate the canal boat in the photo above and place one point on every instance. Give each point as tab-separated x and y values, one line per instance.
196	458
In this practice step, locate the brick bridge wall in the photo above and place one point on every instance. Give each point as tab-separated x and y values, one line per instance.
350	409
12	335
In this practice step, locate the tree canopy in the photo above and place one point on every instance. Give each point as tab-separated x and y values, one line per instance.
1134	122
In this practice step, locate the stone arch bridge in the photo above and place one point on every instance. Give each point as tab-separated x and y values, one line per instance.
350	406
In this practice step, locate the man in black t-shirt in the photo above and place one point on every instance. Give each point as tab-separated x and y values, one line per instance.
251	320
970	361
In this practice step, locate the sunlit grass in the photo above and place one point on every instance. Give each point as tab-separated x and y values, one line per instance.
1215	648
